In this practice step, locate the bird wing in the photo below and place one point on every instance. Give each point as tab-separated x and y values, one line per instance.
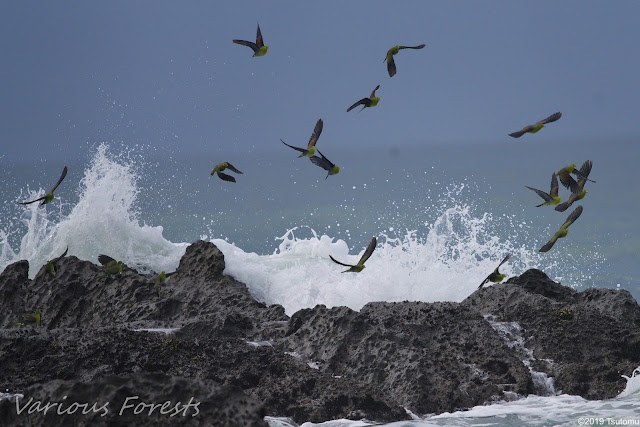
373	92
53	261
363	101
64	173
230	166
225	177
541	193
316	134
506	258
341	263
170	274
585	170
259	41
569	182
302	150
322	162
484	281
551	118
412	47
549	244
521	132
29	317
391	66
572	217
554	185
368	251
252	45
105	259
563	206
33	201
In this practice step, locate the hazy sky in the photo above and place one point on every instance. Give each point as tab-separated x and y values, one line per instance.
166	74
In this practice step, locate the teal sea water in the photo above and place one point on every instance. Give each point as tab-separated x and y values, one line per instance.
444	217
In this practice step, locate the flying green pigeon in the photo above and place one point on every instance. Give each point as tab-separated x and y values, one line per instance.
371	101
552	198
110	266
311	146
563	230
536	127
325	164
223	176
391	64
568	181
360	265
50	266
579	192
259	49
49	196
496	276
29	319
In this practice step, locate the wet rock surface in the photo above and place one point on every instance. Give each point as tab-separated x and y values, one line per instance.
243	359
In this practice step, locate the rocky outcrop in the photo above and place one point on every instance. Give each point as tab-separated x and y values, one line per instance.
243	359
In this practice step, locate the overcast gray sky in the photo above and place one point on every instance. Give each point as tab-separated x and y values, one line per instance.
166	74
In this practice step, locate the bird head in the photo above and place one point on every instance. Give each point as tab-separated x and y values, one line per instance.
312	151
262	51
335	170
37	314
563	233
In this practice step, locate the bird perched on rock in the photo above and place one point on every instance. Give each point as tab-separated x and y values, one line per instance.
579	192
391	64
496	276
563	229
29	319
552	198
565	175
50	266
311	146
162	277
259	49
223	176
49	196
360	265
110	266
537	126
325	164
371	101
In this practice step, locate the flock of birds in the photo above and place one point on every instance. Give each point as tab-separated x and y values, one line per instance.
111	267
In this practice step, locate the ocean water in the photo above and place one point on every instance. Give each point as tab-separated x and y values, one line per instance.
444	217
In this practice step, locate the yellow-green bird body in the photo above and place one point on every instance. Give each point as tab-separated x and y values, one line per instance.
217	169
563	229
371	101
162	277
259	48
47	198
534	128
110	266
50	266
29	319
325	164
577	188
360	265
495	276
391	64
311	145
551	198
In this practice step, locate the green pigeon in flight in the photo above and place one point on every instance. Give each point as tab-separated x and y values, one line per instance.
563	229
311	146
391	64
259	49
371	101
496	276
360	265
49	196
536	127
325	164
552	198
29	319
565	175
223	176
579	192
